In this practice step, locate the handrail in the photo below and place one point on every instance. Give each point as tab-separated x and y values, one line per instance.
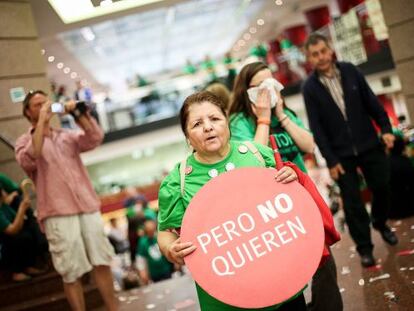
7	141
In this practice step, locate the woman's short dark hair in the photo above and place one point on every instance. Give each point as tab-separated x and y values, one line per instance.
314	38
240	100
198	98
28	97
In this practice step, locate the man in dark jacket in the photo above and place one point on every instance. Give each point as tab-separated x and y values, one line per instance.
341	106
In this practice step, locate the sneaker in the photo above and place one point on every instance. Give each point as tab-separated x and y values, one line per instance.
367	260
388	236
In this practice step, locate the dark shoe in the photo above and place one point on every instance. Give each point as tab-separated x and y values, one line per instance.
367	260
388	236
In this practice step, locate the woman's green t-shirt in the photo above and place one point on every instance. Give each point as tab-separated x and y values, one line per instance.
172	204
244	128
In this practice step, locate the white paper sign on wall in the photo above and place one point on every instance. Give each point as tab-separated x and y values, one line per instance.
17	94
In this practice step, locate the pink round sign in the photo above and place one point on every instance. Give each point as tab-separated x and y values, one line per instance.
258	241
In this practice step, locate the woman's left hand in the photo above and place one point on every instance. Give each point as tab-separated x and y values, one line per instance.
285	175
279	106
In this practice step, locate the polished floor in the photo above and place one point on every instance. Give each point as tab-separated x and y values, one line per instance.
388	286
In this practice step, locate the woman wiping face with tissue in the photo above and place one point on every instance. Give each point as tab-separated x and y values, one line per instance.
257	110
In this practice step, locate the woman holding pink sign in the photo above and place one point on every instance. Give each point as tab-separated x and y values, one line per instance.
257	111
205	125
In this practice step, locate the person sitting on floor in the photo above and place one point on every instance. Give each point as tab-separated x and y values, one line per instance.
20	247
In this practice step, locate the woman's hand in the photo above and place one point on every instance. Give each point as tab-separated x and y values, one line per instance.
285	175
262	107
280	114
178	250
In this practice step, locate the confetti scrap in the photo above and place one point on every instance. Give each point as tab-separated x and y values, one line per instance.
391	296
406	252
345	270
403	268
352	249
374	268
147	290
122	298
393	229
341	290
184	304
352	255
150	306
381	277
411	268
398	223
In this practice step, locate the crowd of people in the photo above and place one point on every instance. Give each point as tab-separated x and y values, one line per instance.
226	130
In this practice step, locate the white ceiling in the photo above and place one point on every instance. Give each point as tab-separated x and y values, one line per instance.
159	40
158	37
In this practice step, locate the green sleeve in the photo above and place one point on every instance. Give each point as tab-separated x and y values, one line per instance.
8	185
241	128
267	154
4	222
141	247
170	202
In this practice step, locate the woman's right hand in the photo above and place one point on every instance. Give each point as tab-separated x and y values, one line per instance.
262	108
178	250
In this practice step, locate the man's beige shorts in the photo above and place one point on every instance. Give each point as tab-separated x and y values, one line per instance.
77	242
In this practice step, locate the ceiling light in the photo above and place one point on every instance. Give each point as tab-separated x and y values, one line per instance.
51	59
105	2
77	10
260	22
73	75
87	33
278	2
241	42
66	70
253	30
247	36
59	65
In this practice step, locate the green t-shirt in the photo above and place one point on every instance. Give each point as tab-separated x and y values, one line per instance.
172	204
7	216
158	265
243	129
8	185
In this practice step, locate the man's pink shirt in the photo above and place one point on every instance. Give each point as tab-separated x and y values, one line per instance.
62	183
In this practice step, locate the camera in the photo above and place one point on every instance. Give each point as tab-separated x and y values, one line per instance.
81	109
57	108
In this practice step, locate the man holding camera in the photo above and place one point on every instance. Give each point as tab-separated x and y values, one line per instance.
67	205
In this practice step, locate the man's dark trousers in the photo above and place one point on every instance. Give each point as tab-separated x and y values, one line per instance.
375	168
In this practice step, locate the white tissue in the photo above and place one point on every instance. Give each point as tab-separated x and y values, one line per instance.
272	85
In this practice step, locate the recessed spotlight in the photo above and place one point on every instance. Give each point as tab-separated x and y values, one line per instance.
59	65
241	43
260	22
252	30
51	59
73	75
66	70
247	36
278	2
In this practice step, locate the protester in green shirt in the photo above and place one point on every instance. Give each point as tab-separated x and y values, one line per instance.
19	246
205	125
151	264
256	121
